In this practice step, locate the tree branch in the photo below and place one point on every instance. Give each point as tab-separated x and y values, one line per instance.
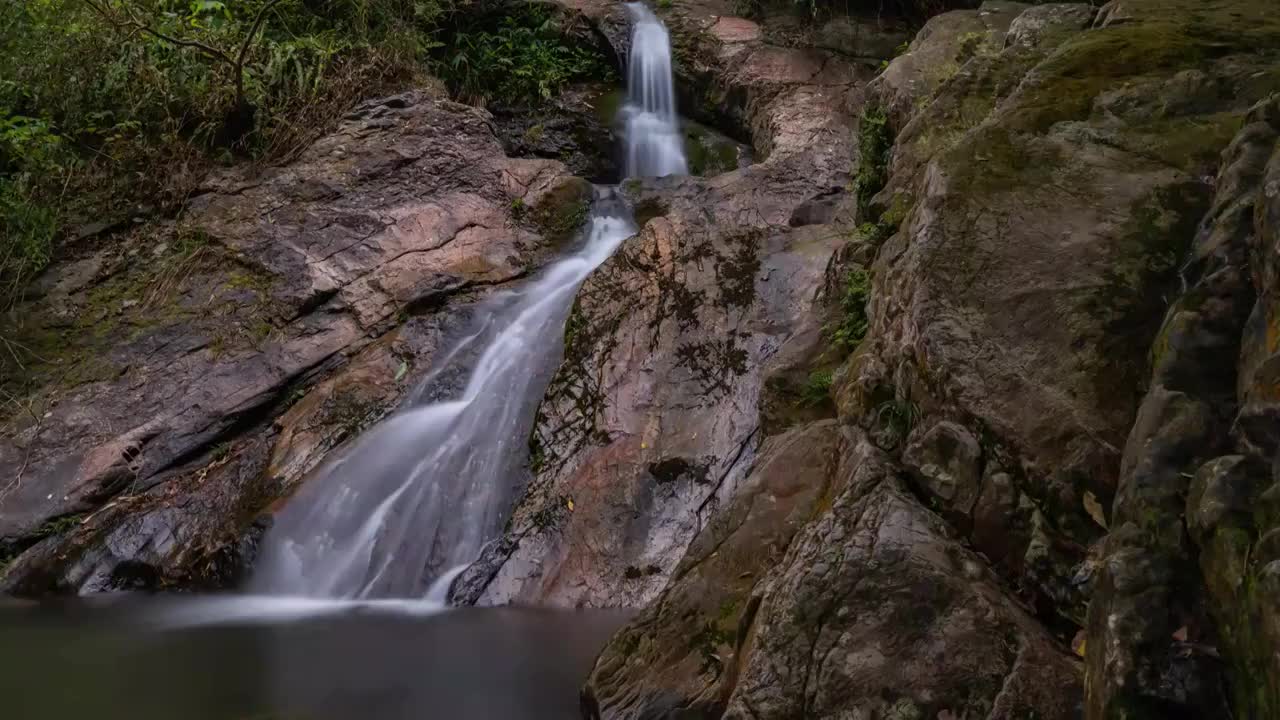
253	30
137	24
244	49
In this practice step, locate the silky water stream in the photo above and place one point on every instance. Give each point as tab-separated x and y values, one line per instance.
416	499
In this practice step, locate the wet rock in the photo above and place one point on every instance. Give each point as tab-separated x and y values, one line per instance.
666	351
1231	510
671	340
1032	197
575	128
936	55
157	428
679	652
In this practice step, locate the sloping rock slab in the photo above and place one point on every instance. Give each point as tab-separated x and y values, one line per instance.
176	355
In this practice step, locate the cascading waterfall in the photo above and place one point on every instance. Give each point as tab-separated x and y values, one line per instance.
416	499
651	128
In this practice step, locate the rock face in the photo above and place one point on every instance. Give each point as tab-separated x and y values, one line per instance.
1049	192
960	402
575	128
181	388
1196	480
654	418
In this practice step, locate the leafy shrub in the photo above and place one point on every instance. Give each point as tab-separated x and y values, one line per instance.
853	323
817	389
521	59
106	105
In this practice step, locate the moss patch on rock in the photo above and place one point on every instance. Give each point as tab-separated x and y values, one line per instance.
561	213
177	278
708	152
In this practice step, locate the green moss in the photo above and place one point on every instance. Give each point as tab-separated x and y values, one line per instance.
728	610
1192	143
1132	300
145	295
607	105
1164	37
707	153
561	213
708	642
892	218
993	159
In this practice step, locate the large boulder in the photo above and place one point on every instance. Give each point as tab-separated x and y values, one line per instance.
1041	218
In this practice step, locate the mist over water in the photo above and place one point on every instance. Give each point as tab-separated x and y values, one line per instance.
416	498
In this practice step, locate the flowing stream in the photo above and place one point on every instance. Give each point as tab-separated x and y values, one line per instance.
651	128
413	502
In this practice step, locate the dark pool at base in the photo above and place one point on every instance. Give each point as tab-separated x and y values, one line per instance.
108	662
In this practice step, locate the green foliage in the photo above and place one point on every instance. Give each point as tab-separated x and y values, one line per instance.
111	105
875	142
523	60
108	104
853	308
817	389
876	233
27	230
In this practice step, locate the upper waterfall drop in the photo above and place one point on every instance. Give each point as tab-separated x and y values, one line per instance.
651	128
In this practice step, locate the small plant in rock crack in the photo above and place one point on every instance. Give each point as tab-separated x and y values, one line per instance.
817	389
895	419
707	642
852	327
875	143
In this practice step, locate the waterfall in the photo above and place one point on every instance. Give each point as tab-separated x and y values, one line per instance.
651	128
416	498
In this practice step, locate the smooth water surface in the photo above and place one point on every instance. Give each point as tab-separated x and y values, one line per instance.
119	663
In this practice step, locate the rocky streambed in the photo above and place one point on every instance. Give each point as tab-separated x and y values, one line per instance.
954	402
